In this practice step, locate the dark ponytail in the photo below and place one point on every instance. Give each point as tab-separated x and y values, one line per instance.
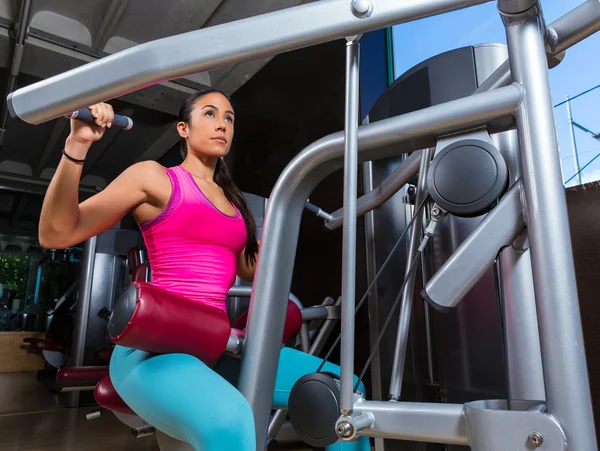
223	178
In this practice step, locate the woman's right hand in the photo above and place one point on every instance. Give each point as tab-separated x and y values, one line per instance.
85	133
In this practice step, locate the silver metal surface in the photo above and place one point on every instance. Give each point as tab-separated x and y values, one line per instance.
372	299
234	344
494	428
348	427
272	283
210	48
489	58
304	338
324	333
349	231
362	8
477	253
561	337
276	422
143	431
317	312
83	311
515	6
424	422
407	295
574	26
386	189
524	358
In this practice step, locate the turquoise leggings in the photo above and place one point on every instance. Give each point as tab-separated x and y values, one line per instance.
184	398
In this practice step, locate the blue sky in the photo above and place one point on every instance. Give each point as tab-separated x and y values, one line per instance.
580	70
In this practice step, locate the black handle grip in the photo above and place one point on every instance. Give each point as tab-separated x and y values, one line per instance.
312	208
85	115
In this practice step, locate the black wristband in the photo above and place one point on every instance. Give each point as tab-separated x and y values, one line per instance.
75	160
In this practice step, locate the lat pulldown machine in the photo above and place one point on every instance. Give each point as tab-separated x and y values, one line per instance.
517	96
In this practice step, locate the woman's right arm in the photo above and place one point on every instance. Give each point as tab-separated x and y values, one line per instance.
63	220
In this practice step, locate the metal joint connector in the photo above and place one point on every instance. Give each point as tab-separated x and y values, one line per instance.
347	427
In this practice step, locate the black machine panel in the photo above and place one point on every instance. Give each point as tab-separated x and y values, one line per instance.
467	347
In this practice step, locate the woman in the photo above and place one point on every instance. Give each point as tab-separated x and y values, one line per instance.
200	234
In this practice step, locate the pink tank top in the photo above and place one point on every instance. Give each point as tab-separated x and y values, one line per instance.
193	246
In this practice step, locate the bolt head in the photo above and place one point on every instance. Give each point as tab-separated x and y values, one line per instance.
536	439
362	8
344	429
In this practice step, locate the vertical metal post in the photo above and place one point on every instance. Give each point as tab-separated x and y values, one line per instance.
561	336
407	294
349	232
524	358
425	274
373	301
83	312
573	143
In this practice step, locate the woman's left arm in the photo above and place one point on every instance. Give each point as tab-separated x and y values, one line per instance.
245	271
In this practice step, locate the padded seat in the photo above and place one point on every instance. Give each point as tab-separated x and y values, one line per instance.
79	378
43	344
106	396
82	373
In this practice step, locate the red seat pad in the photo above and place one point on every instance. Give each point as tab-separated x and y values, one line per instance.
106	396
293	322
165	323
46	345
82	373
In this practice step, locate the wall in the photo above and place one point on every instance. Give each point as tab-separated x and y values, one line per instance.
584	218
14	357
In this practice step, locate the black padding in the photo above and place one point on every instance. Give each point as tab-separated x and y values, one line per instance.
467	177
314	408
123	311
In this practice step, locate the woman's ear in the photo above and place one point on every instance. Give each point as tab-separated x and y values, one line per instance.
182	129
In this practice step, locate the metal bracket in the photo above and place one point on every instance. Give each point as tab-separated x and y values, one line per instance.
479	133
347	427
515	6
523	428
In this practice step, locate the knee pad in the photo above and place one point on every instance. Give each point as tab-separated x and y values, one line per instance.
314	408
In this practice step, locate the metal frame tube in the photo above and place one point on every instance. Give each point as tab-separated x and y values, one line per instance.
373	301
349	231
315	312
390	186
324	333
562	34
561	337
574	27
524	358
274	270
210	48
477	253
424	422
83	311
407	295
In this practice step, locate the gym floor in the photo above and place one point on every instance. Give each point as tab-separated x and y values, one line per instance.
33	419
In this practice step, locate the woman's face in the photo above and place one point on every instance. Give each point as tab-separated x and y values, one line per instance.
210	130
